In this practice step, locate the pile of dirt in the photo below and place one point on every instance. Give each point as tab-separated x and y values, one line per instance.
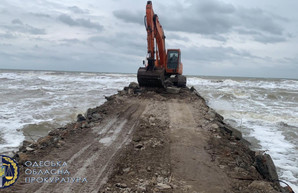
151	140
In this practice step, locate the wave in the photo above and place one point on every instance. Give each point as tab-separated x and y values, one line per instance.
248	83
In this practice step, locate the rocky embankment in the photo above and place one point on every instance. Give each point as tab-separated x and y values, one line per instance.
150	140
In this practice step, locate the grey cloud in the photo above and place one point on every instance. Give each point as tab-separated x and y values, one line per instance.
247	31
214	7
263	37
217	37
78	10
177	37
17	21
7	35
73	40
258	19
291	62
19	26
217	54
41	15
79	22
214	18
130	16
124	42
269	39
121	40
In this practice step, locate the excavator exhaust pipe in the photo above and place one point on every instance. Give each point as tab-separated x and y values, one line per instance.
151	78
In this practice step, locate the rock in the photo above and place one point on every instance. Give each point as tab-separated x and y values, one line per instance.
130	91
126	170
215	126
29	149
85	125
54	132
164	172
245	142
121	92
173	90
136	138
78	125
139	146
133	85
151	121
168	82
121	185
45	141
234	132
33	145
266	167
259	186
26	143
91	124
61	142
160	179
109	98
162	186
222	166
96	116
80	118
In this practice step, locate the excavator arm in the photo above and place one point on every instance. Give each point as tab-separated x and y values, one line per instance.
155	32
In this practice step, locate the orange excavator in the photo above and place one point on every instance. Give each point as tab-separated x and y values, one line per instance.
163	67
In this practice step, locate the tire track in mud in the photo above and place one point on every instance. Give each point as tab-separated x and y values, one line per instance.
191	164
95	159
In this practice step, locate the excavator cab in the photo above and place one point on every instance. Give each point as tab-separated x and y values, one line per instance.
174	65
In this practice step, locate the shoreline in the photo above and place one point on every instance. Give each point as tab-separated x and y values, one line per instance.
219	144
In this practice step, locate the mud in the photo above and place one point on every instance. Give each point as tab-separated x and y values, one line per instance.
146	140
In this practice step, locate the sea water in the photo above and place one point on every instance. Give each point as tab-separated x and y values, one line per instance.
265	110
39	101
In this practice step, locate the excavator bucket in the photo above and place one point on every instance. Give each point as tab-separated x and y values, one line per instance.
151	78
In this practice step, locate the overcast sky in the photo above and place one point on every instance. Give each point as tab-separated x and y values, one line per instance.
217	37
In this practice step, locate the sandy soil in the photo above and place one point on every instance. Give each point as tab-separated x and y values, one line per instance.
145	140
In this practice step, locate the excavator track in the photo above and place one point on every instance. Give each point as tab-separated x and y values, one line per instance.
151	78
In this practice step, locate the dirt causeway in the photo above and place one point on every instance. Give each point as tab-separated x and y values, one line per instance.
143	140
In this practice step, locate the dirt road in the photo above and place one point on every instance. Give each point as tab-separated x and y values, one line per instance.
142	141
190	162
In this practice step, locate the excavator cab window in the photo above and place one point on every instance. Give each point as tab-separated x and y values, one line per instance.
173	59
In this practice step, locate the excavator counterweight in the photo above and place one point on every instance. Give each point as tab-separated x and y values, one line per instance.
162	63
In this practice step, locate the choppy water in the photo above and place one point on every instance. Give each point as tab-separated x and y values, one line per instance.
37	100
265	110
